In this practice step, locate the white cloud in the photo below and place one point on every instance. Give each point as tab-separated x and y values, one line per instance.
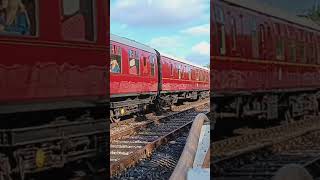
202	48
164	42
160	12
176	46
198	30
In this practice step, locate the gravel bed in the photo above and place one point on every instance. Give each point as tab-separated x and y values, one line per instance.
160	165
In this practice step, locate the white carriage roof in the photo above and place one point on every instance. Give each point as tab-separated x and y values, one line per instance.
131	43
275	12
183	61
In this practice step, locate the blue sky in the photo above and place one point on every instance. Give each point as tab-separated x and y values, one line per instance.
177	27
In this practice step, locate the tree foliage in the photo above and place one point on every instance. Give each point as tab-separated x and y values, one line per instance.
314	13
207	66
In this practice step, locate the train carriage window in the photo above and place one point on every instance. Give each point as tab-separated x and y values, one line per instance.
262	34
318	53
116	59
222	40
144	61
277	29
134	62
207	77
302	35
182	72
269	39
19	19
179	71
255	40
171	69
303	53
234	33
152	63
280	49
279	42
292	51
197	75
78	22
189	72
221	29
312	54
145	70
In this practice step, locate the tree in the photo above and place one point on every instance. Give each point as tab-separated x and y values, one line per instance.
207	66
313	13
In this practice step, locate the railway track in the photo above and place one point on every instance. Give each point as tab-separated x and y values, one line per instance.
259	155
139	142
160	165
129	126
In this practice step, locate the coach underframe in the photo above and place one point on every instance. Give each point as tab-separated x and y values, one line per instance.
272	105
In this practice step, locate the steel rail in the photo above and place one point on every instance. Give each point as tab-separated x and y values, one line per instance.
130	126
129	150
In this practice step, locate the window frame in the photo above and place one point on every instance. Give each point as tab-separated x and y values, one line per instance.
234	33
94	23
179	71
37	24
145	64
136	57
153	71
190	73
121	58
292	51
255	37
220	20
318	53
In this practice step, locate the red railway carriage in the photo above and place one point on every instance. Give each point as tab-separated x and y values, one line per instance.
133	76
182	79
264	62
46	69
141	76
53	74
134	69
